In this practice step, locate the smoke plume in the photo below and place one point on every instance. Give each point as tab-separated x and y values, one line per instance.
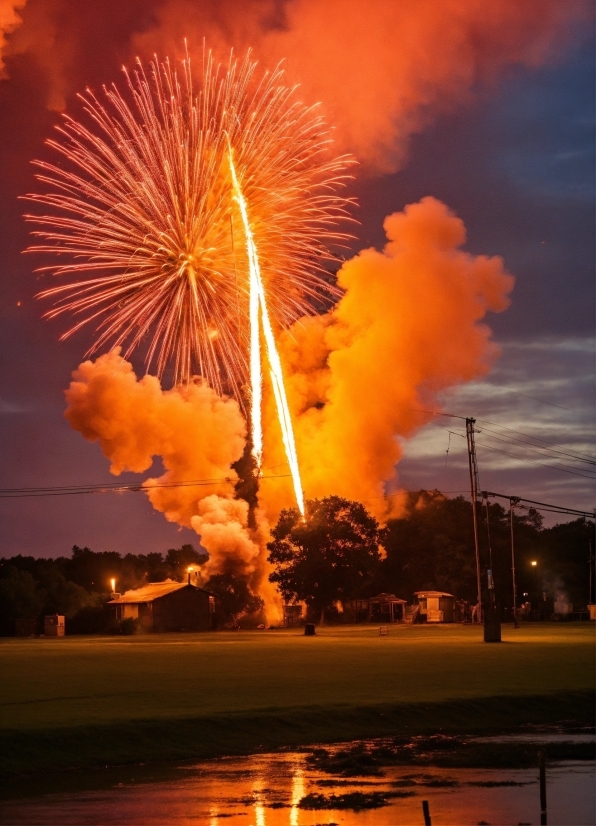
408	328
382	70
9	21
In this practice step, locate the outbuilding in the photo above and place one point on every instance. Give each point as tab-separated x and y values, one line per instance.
167	606
386	608
436	606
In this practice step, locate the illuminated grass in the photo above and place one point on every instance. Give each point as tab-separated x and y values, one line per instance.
250	689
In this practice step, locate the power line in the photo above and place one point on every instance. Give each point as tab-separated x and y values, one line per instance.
527	436
75	490
532	462
533	448
541	505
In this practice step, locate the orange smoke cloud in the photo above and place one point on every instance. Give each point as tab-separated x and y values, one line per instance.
9	21
408	327
382	70
198	436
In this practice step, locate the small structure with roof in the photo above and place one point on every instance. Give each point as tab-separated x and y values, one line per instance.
436	606
167	606
54	625
386	608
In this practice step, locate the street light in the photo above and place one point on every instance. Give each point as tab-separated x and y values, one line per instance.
533	563
190	569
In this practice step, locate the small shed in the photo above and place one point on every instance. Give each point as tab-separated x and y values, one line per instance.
54	625
167	606
292	615
386	608
436	606
25	627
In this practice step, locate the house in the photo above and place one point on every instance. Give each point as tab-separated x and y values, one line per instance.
386	608
167	606
436	606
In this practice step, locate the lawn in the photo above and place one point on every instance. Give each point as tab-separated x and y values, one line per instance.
100	699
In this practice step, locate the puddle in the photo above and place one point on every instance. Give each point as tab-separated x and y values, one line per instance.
284	789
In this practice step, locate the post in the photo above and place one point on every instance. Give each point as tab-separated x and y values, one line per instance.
512	503
474	493
590	598
426	813
542	762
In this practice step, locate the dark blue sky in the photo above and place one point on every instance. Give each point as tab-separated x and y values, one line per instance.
517	166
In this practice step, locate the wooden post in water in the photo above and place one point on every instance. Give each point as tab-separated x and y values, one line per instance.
426	813
542	763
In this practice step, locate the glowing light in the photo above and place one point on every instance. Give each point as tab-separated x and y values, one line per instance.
113	584
258	300
533	563
141	211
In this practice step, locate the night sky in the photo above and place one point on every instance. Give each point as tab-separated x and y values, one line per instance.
515	161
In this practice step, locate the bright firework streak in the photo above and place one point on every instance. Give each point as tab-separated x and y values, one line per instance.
258	298
256	387
141	211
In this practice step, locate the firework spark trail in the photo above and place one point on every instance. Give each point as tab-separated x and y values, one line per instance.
140	210
258	299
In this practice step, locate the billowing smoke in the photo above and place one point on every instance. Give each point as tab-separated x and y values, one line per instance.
382	70
408	327
9	21
198	436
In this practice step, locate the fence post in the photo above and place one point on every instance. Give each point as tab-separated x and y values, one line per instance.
426	812
542	763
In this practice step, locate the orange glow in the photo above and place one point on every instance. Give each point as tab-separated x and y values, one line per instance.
258	300
534	563
142	216
113	584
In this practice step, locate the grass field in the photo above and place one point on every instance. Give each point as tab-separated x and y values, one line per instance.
87	700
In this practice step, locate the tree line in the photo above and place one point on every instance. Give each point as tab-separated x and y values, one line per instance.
338	553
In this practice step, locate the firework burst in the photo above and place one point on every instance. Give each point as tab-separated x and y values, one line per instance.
143	214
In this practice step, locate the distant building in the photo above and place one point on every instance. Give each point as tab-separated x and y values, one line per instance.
386	608
54	625
167	606
25	627
436	606
292	615
382	608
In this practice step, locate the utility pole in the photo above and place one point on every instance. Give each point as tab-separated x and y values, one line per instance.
514	500
474	493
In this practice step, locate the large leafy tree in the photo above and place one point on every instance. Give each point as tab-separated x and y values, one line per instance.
329	555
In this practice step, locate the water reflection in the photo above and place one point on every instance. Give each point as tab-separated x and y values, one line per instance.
298	792
267	790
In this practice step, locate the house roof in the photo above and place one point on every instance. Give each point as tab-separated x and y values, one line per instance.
387	598
432	594
151	591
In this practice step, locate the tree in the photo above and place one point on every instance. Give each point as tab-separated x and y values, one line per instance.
329	555
233	598
179	559
20	598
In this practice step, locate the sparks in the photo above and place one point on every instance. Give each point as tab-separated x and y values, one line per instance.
258	300
142	212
